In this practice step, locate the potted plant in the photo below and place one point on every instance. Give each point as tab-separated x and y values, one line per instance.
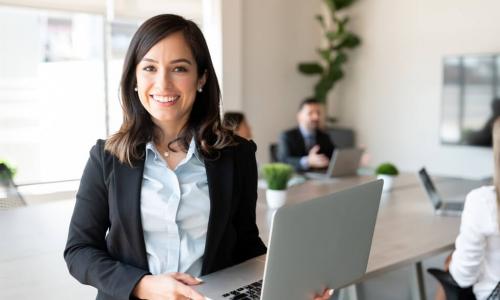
7	173
276	176
338	41
387	171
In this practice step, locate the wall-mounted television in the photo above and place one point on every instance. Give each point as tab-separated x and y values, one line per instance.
470	99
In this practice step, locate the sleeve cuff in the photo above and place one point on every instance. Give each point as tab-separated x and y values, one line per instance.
303	163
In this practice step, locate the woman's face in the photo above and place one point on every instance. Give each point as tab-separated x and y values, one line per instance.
167	81
244	130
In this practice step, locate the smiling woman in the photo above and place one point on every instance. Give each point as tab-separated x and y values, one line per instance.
145	224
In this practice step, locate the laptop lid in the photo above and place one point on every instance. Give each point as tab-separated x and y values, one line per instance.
344	162
429	188
321	243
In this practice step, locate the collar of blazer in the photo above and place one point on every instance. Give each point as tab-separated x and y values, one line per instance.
220	175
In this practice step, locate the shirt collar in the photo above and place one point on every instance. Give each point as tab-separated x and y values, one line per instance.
151	150
307	133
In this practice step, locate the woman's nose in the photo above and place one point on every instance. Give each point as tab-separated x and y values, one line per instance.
163	80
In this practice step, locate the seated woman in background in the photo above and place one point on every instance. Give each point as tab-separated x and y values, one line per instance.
476	259
237	122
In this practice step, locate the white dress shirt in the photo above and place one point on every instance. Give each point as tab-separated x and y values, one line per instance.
476	259
175	207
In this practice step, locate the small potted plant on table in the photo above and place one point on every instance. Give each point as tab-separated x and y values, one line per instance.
387	172
276	176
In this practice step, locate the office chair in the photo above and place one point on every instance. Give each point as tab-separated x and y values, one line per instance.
273	152
452	290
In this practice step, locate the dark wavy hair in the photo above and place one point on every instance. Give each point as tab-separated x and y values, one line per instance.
232	120
204	123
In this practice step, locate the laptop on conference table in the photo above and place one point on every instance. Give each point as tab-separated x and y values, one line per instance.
344	162
313	245
441	206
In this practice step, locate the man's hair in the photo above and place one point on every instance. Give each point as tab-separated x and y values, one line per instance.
308	101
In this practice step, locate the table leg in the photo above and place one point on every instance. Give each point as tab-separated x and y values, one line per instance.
417	286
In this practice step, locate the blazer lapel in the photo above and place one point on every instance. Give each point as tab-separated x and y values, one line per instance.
128	195
301	144
220	175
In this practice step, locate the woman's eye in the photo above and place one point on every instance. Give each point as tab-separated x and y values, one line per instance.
149	68
180	69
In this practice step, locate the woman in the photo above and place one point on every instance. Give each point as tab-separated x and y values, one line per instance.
237	122
476	259
172	194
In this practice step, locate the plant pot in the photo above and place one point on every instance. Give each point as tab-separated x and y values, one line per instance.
388	181
275	198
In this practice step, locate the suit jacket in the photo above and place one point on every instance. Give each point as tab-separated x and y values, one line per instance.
292	147
106	247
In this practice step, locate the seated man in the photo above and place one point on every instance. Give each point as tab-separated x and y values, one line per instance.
307	146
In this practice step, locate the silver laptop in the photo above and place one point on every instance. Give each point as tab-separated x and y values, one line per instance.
313	245
441	207
344	162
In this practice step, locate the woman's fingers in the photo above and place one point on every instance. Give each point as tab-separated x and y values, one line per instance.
326	295
186	278
188	292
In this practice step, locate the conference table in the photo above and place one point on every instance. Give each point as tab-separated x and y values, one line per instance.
407	230
32	238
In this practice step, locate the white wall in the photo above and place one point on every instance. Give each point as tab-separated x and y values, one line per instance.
392	91
277	34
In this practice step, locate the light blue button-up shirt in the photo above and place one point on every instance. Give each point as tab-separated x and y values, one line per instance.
309	141
175	207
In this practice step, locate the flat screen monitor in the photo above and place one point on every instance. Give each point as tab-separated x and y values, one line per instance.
470	99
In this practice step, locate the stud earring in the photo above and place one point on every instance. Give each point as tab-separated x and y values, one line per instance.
135	89
200	90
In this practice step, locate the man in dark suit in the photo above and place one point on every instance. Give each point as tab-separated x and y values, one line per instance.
306	146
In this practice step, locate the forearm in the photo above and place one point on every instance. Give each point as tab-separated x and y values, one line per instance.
95	267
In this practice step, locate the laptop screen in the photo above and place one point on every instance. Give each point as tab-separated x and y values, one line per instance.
430	188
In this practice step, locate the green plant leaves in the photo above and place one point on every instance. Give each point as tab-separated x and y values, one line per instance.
387	168
310	68
277	175
326	54
350	41
7	171
340	4
334	54
327	82
321	20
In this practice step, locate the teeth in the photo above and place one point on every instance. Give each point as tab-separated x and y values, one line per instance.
164	99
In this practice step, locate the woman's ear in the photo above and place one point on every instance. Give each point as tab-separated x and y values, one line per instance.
202	80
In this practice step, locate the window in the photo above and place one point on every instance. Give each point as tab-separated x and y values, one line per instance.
59	82
51	91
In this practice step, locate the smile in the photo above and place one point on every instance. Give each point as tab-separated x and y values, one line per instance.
165	99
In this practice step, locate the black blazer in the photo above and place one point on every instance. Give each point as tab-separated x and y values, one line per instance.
292	147
105	246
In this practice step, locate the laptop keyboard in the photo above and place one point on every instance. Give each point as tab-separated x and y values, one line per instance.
247	292
454	205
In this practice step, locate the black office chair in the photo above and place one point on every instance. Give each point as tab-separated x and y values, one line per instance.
273	152
451	288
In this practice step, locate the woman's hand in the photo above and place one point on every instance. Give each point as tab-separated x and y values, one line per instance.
171	286
326	295
447	262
